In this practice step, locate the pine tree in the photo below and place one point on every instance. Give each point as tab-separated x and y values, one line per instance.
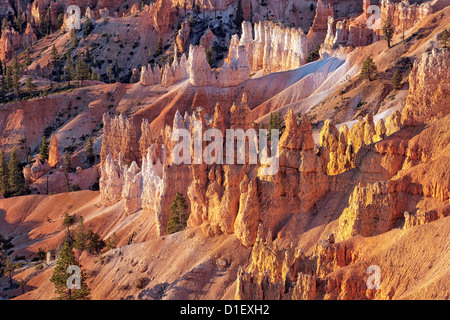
445	35
4	173
68	222
16	77
95	243
60	276
73	39
42	26
9	269
43	151
90	150
159	47
82	71
80	237
8	78
396	80
87	27
388	31
30	86
60	21
274	123
178	214
111	242
239	17
16	180
69	69
210	56
27	59
368	70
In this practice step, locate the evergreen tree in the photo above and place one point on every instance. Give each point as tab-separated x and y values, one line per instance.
111	243
82	71
445	35
30	86
69	69
210	56
95	243
368	70
16	180
27	59
16	78
388	31
239	17
87	27
396	80
8	78
42	26
60	276
80	237
60	21
159	47
275	121
90	150
73	39
9	269
43	151
4	173
68	222
178	214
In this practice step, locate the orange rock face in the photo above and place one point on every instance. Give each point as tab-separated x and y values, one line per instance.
429	92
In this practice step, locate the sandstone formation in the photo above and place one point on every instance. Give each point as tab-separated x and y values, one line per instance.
273	48
11	41
54	156
119	136
285	274
182	39
342	145
429	91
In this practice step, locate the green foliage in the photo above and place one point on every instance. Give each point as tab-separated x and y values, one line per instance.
178	214
80	237
159	47
90	150
87	27
82	71
60	21
388	31
9	269
73	40
30	86
60	276
16	180
396	80
95	243
239	17
112	242
445	35
210	56
16	77
4	173
275	121
368	70
43	151
41	254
